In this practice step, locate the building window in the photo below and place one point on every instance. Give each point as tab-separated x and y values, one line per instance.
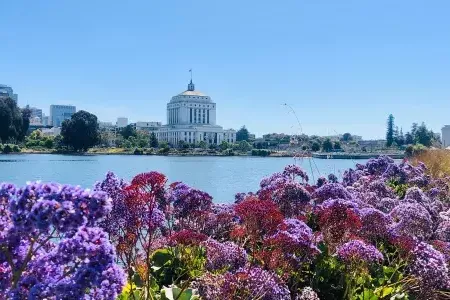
207	116
190	115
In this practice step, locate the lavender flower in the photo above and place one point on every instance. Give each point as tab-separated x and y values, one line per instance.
411	219
244	284
291	198
332	178
331	191
443	231
224	256
416	195
375	223
430	266
70	256
293	170
187	200
357	252
377	166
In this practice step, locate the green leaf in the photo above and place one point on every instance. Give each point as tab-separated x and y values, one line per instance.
386	291
369	295
173	293
161	257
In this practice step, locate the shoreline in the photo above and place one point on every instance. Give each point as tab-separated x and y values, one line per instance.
318	155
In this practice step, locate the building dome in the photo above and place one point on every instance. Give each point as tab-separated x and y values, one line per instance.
191	93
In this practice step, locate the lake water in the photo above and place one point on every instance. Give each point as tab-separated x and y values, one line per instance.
221	177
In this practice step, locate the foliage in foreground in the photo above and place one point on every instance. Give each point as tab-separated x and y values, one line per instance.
381	233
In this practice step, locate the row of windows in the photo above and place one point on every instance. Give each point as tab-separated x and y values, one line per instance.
190	105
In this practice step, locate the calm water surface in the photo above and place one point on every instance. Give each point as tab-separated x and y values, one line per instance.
222	177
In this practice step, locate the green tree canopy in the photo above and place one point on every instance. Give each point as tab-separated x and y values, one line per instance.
327	145
11	121
80	132
315	146
244	146
337	145
242	134
128	131
153	140
390	131
347	137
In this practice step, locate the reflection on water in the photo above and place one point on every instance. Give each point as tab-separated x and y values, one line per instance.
222	177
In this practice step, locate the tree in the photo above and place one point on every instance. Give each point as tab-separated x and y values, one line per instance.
153	140
26	115
400	138
11	120
347	137
81	132
423	136
128	131
203	145
327	145
390	131
315	146
337	145
409	138
242	134
224	146
244	146
163	145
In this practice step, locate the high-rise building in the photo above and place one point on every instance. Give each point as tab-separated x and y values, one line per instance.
446	136
7	91
122	122
59	113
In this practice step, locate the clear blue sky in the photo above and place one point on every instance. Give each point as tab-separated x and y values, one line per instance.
342	65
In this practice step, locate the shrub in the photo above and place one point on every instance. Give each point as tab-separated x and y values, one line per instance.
7	149
138	151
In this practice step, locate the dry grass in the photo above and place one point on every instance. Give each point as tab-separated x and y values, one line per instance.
437	162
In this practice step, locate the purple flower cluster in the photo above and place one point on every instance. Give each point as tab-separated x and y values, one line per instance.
331	191
375	224
293	170
356	252
294	235
443	231
244	284
430	267
411	219
291	198
224	256
187	200
50	247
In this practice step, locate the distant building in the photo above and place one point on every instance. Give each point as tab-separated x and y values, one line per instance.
35	112
45	120
35	121
191	118
54	131
59	113
105	125
7	91
148	126
446	136
122	122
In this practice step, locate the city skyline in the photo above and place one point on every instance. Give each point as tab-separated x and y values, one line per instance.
342	67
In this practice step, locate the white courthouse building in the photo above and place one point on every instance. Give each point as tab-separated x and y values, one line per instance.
191	117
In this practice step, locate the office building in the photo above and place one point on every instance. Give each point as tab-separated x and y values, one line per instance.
59	113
